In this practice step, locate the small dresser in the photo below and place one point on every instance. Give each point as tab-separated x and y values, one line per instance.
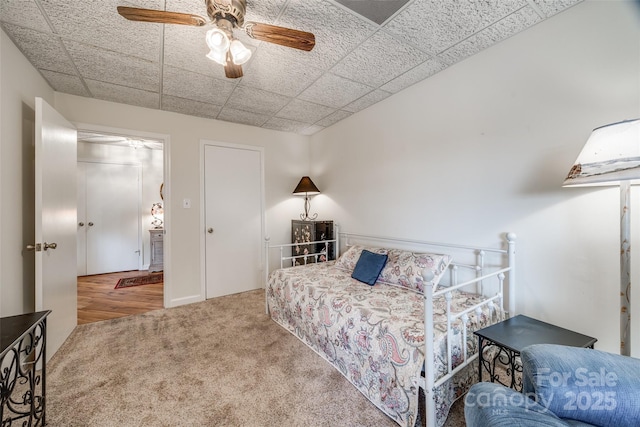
311	231
156	249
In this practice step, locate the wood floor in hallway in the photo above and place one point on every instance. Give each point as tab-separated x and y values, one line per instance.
98	300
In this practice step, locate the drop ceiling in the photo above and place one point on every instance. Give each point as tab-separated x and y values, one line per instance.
365	51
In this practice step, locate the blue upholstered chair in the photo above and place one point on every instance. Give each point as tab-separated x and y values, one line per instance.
562	386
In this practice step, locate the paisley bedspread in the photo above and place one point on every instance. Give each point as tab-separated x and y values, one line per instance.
374	335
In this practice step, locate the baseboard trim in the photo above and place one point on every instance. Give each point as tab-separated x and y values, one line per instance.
185	300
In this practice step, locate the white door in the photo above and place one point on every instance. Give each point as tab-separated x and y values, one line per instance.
233	201
110	234
81	227
55	228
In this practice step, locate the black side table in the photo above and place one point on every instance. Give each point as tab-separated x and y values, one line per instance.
22	377
516	333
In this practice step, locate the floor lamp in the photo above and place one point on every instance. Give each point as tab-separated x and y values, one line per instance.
611	156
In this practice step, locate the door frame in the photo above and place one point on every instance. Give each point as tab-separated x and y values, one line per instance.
166	192
203	261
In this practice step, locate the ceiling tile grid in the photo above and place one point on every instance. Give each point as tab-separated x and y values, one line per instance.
270	71
66	83
244	117
198	87
111	67
504	28
334	91
94	23
123	95
53	58
190	107
303	111
379	52
365	51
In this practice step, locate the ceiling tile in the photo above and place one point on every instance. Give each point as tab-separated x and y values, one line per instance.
436	25
107	66
551	7
44	51
334	118
187	6
271	71
311	130
24	13
303	111
428	68
189	106
185	48
259	101
124	95
379	59
491	35
285	125
86	48
336	31
65	83
244	117
98	23
189	85
264	10
366	101
334	91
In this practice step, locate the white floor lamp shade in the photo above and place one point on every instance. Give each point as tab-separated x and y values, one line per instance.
611	156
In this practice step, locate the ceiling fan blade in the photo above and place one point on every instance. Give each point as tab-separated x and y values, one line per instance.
161	16
280	35
232	70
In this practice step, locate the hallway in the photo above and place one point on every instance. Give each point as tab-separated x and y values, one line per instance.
98	300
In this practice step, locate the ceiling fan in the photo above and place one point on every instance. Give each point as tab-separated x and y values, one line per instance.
224	16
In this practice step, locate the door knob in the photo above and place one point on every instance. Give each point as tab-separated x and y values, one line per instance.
210	230
90	224
37	247
49	246
81	224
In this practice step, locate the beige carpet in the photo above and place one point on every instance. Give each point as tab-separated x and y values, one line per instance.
221	362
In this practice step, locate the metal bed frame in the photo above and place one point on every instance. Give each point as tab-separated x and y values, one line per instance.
478	268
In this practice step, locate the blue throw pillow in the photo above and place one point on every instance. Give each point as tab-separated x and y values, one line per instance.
369	266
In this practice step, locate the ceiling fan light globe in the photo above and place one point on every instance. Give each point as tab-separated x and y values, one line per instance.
239	53
218	56
217	39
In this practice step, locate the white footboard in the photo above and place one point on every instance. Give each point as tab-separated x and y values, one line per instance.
493	303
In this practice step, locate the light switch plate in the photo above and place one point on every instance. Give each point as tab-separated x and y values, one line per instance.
186	203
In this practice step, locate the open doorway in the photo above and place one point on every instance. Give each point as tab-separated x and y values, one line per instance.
120	225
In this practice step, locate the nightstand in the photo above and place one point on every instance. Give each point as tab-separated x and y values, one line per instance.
23	358
311	231
512	335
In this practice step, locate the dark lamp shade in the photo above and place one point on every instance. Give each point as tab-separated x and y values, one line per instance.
306	186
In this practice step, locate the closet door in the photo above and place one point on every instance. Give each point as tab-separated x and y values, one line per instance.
233	193
112	218
81	227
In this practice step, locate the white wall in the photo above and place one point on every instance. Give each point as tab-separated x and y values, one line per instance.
151	164
20	83
483	147
286	160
